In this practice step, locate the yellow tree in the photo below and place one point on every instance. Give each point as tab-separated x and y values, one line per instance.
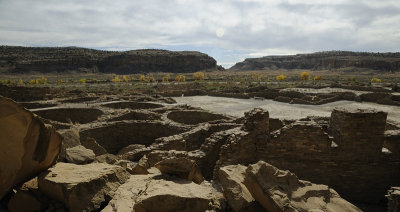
281	77
304	75
198	76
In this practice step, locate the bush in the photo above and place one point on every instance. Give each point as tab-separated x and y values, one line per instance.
142	78
151	78
43	80
281	77
6	82
20	82
317	77
83	80
59	81
180	78
198	76
166	78
304	76
116	79
33	82
376	80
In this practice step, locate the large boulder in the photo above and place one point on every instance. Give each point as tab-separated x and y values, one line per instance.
181	167
239	198
28	146
278	190
82	187
79	155
154	192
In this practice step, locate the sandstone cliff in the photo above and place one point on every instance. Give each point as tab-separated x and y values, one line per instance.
15	59
323	60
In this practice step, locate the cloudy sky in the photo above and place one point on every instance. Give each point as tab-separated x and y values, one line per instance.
228	30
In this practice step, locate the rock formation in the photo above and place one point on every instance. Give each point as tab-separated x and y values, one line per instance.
232	181
181	167
153	192
82	187
28	146
15	59
278	190
323	60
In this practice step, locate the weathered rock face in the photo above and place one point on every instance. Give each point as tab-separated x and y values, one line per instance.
181	167
156	60
324	60
278	190
393	197
28	146
154	193
232	179
44	60
82	187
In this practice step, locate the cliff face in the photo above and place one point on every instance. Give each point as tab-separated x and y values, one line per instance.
72	59
324	60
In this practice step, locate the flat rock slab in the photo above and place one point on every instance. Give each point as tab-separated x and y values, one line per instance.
28	146
181	167
154	193
82	187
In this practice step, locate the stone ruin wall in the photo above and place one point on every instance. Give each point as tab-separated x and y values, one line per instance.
344	153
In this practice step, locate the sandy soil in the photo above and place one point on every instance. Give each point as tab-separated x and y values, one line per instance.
237	107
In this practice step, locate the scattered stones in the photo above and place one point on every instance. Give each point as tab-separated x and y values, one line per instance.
28	146
278	190
82	187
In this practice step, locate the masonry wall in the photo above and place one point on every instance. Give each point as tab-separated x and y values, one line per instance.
348	156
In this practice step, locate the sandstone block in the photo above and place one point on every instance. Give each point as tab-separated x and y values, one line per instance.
28	146
82	187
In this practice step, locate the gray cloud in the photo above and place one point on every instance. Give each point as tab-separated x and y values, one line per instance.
251	27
